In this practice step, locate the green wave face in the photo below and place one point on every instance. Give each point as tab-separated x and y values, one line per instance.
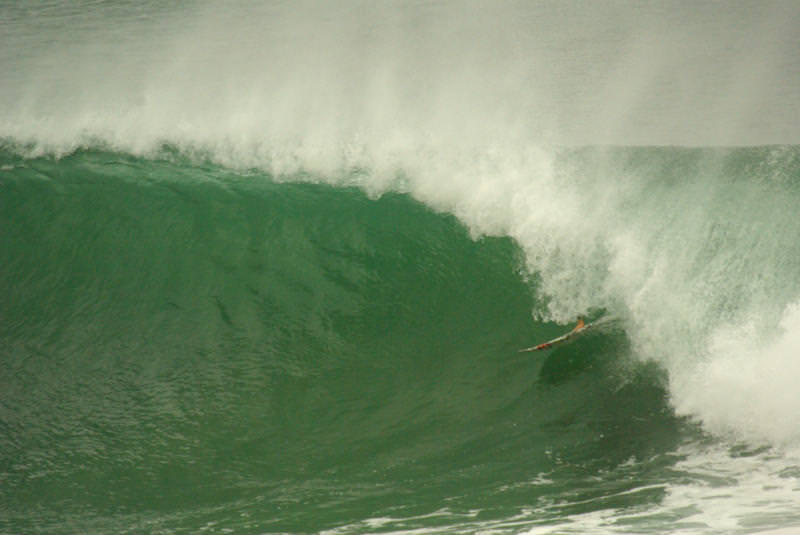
185	344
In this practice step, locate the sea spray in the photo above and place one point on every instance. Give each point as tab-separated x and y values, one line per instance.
244	81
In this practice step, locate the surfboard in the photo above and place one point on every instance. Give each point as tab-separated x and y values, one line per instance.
555	341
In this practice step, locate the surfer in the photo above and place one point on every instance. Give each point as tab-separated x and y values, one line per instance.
581	326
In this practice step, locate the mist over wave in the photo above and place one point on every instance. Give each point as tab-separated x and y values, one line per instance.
312	83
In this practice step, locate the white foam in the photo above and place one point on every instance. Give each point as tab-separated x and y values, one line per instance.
746	385
712	491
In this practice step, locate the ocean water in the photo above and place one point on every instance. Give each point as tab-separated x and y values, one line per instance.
267	268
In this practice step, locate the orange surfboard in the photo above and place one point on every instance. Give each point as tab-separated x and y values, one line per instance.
581	327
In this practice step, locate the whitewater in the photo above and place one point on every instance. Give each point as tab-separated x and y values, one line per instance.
267	267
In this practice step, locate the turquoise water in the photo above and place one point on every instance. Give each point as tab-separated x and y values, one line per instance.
267	269
189	348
